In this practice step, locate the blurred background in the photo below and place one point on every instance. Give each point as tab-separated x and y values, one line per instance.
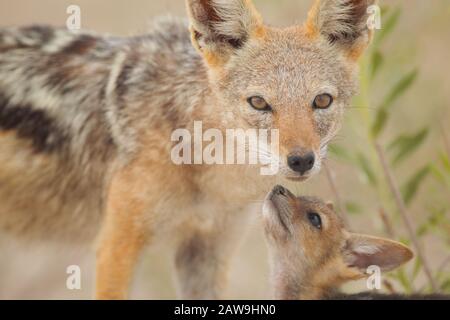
401	118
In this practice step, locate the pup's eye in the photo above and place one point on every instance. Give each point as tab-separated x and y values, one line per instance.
259	103
315	220
323	101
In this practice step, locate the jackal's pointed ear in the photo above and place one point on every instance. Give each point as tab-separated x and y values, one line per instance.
344	23
220	27
363	251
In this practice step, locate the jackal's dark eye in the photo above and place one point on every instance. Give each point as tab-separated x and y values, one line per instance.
323	101
315	220
259	103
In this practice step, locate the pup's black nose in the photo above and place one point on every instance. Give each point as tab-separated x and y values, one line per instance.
301	164
279	190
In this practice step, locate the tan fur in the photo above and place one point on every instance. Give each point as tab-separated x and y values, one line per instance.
123	235
325	20
312	31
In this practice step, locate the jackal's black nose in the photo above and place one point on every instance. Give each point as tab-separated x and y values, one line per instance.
301	164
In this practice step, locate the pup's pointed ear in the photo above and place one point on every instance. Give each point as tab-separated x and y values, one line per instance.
363	251
343	23
220	27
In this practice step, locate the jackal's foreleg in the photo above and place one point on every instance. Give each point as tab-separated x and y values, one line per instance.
121	241
202	260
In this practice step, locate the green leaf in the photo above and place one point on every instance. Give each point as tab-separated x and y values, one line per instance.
387	27
411	187
353	207
405	241
382	115
399	88
417	268
377	61
339	152
404	145
403	279
380	122
422	230
445	286
437	217
438	174
366	168
445	161
384	10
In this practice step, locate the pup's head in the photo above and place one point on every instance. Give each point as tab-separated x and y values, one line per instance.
308	241
297	80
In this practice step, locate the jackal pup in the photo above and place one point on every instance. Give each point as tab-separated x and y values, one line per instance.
312	253
86	122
